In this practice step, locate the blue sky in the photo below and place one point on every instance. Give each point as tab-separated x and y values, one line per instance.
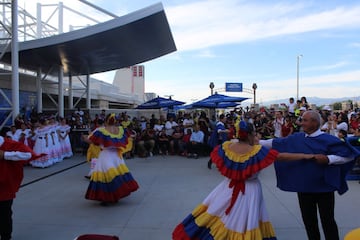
252	41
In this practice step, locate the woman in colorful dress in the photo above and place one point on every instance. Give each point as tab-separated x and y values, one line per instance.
110	179
235	209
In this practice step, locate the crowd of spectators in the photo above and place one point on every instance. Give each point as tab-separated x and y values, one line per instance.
187	133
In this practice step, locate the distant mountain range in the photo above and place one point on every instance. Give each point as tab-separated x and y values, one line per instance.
313	100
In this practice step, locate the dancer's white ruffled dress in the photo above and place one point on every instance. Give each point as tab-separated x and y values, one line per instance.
41	145
66	150
235	209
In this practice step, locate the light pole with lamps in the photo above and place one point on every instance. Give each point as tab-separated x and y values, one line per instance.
254	87
297	75
212	85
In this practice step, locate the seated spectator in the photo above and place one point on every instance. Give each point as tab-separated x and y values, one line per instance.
157	126
184	142
163	142
196	143
176	138
188	123
170	126
146	142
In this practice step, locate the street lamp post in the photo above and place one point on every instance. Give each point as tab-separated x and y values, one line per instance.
297	75
254	86
212	85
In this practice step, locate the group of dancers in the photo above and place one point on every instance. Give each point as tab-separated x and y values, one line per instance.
48	137
235	209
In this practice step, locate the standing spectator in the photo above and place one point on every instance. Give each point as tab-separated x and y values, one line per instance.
278	123
341	123
299	119
354	123
291	106
328	125
219	135
221	129
304	103
315	189
287	128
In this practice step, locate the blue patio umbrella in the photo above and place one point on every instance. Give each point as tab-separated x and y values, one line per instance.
218	101
210	105
159	102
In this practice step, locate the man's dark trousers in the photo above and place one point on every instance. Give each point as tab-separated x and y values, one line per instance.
310	203
5	219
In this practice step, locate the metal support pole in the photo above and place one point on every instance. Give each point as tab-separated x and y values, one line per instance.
15	59
88	95
39	91
297	76
61	17
70	92
61	92
38	21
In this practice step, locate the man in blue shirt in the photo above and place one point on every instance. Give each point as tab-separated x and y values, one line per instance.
220	133
196	143
314	182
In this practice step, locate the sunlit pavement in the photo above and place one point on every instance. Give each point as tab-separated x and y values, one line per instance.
54	207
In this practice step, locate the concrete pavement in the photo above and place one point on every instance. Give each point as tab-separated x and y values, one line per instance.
51	204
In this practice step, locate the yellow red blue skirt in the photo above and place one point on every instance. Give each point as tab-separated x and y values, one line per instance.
235	209
110	179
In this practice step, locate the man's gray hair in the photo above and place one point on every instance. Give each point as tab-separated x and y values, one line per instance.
315	115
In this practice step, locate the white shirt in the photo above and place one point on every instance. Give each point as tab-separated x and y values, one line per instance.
291	107
188	123
169	127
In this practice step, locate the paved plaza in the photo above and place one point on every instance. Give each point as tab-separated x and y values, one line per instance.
51	205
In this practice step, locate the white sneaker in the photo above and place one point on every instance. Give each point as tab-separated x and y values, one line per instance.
151	154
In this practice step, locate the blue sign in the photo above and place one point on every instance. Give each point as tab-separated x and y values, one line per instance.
233	87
